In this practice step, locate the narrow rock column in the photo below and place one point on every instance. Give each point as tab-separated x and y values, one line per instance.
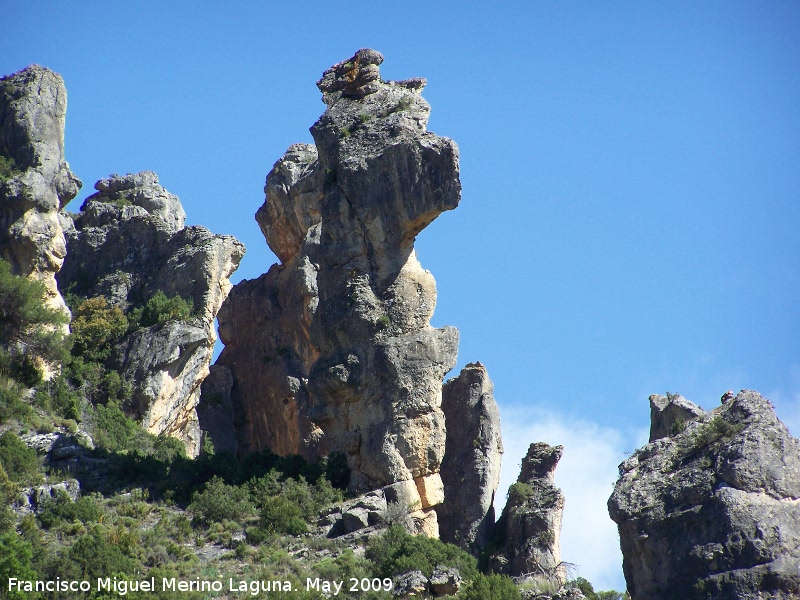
471	465
529	530
33	104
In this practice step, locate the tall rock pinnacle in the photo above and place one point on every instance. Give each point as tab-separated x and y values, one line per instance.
332	350
33	104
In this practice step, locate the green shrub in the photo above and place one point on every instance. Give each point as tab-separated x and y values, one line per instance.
161	309
8	493
15	561
95	328
491	587
11	404
57	396
61	508
93	555
281	515
112	430
219	501
396	552
20	462
29	330
588	590
286	504
8	167
519	493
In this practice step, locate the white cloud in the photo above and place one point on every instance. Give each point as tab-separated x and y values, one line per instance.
586	474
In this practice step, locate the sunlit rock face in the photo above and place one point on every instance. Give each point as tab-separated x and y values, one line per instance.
332	350
128	242
710	508
33	104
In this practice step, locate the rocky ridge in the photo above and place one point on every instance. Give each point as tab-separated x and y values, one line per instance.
33	104
129	242
712	508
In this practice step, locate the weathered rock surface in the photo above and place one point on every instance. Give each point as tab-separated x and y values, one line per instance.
127	243
669	415
332	349
471	465
529	530
713	510
33	105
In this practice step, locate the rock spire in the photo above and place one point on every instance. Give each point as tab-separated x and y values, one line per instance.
38	183
332	350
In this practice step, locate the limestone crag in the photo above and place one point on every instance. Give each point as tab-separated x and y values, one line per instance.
127	243
332	349
471	466
712	510
33	105
528	533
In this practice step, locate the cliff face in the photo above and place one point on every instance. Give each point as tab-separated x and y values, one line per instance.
711	509
33	104
128	242
332	349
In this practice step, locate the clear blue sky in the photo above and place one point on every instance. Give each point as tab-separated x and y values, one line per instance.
630	175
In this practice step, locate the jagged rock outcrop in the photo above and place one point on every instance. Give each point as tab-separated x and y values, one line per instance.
127	243
528	533
33	104
712	510
669	414
471	465
332	350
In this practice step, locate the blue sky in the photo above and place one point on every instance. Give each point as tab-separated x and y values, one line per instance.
630	179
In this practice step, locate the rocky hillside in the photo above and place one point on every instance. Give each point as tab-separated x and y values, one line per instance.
325	435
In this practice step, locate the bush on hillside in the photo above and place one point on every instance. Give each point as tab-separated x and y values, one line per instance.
19	462
162	309
494	587
30	331
397	551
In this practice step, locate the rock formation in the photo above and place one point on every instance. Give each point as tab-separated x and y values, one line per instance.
33	104
471	466
711	509
332	349
528	533
128	242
